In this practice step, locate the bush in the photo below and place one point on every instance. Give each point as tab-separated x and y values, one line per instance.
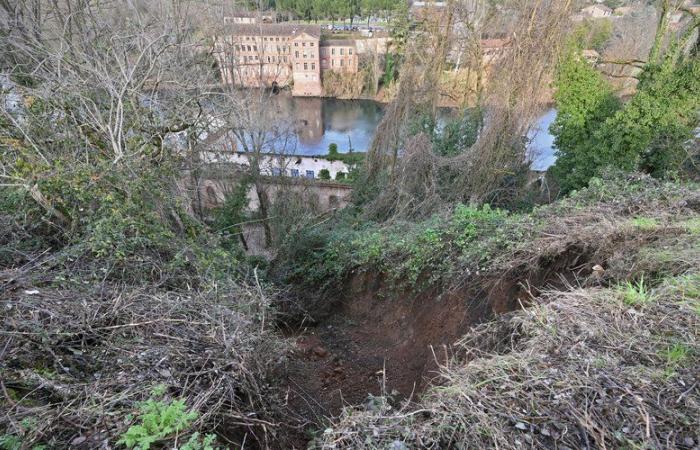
324	174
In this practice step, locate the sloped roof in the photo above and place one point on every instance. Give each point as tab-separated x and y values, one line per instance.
337	43
273	29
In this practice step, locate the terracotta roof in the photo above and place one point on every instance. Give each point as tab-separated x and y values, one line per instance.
273	29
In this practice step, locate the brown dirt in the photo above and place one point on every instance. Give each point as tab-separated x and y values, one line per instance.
375	340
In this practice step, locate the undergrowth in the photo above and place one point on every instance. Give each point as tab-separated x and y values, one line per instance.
470	241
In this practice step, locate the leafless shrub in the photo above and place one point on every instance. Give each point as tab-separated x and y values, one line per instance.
76	362
495	167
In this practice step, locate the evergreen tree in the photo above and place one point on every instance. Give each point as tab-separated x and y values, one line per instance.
584	100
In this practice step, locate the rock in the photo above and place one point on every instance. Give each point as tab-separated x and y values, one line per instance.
320	352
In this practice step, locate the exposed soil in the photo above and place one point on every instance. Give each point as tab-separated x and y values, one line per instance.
374	341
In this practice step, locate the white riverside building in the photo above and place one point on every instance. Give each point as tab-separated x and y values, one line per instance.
277	165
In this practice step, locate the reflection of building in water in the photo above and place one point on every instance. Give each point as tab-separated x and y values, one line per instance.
343	116
309	120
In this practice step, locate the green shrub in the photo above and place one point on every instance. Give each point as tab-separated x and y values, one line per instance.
324	174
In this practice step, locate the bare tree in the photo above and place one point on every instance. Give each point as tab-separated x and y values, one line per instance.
418	180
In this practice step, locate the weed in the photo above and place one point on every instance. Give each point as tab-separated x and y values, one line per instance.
675	355
636	294
646	224
692	226
159	421
10	442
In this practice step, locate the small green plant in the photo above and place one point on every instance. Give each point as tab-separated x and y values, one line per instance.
645	223
692	226
636	294
10	442
158	421
675	355
340	176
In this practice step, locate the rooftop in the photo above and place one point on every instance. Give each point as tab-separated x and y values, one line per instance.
274	29
338	43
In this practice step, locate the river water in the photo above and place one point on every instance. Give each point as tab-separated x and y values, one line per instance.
351	124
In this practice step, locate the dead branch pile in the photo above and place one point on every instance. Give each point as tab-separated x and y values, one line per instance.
580	369
75	362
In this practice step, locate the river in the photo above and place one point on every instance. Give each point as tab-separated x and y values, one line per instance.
351	124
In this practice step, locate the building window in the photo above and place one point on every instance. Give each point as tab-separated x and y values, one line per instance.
313	66
296	53
285	59
276	171
277	38
306	66
332	51
349	51
297	66
342	51
295	172
296	44
311	44
333	62
303	44
341	63
310	174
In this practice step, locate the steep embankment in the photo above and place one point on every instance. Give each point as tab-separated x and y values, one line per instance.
412	311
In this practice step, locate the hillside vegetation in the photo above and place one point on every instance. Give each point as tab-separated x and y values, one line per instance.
459	300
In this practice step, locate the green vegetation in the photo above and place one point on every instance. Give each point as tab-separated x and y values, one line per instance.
466	242
159	421
636	293
324	174
584	100
594	132
645	224
336	9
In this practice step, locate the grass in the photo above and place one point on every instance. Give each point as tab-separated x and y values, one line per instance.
676	355
692	226
636	293
646	224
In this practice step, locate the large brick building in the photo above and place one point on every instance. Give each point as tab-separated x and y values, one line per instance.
268	55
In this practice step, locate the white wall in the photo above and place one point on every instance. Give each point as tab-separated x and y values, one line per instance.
274	164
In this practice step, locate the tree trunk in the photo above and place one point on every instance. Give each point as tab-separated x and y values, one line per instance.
264	211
